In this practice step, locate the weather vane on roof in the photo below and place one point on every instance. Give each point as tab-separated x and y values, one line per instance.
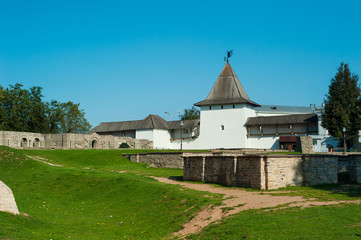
229	54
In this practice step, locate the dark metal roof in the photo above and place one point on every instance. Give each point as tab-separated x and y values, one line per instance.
150	122
186	124
227	90
280	108
285	119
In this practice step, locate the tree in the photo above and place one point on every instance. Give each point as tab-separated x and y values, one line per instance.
54	115
2	109
343	106
190	113
16	108
72	119
37	119
24	110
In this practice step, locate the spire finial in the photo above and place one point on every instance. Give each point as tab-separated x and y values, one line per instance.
229	54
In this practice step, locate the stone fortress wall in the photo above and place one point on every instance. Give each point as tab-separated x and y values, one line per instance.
270	171
70	141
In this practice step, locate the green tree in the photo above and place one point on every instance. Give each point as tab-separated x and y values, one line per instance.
2	109
54	115
343	106
16	108
72	119
190	113
37	119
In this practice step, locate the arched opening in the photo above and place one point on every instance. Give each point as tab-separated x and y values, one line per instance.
94	143
124	145
24	142
36	142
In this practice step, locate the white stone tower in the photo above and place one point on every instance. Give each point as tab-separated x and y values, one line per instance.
224	112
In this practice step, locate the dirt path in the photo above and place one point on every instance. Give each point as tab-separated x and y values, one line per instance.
237	200
43	160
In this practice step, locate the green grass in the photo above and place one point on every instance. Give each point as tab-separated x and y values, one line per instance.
324	192
86	204
102	160
80	203
326	222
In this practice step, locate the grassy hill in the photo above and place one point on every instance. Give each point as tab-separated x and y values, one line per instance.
88	198
74	203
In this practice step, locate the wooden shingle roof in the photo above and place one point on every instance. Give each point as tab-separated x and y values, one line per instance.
227	90
284	119
150	122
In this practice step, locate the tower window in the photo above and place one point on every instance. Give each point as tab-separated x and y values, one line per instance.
222	127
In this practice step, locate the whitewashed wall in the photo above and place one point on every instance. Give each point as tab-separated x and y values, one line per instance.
234	134
161	139
266	142
144	134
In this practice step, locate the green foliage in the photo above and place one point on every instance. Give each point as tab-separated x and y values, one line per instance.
190	113
24	110
76	203
73	119
343	106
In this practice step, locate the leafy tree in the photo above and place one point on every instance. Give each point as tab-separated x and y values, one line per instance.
37	119
54	115
190	113
24	110
343	106
2	110
72	119
16	102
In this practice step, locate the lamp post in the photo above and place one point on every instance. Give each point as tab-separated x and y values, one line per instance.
171	115
181	124
344	140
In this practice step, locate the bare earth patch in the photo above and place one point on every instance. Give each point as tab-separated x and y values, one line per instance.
43	160
237	200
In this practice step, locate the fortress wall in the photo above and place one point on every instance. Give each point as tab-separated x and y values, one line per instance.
158	160
266	171
69	141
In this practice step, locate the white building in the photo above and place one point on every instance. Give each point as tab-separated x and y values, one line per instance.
229	120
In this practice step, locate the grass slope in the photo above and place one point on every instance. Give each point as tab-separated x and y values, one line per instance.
102	160
74	203
326	222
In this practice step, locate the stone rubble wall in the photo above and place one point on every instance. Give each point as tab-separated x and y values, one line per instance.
267	171
193	169
304	144
158	160
69	141
355	168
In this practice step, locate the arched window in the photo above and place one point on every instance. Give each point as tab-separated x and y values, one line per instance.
94	143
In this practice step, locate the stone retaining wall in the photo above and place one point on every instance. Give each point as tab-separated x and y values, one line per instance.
158	160
268	171
69	141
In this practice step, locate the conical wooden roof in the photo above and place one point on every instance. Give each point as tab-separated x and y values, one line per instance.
227	90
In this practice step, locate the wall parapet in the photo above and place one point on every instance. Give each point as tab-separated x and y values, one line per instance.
70	141
158	159
268	171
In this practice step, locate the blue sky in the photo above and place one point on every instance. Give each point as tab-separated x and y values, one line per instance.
123	60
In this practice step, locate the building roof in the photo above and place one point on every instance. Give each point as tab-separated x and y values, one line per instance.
150	122
186	124
285	119
283	109
227	90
